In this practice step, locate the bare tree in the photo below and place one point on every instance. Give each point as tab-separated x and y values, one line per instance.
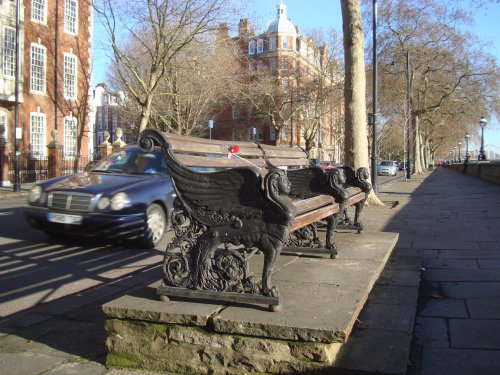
156	31
453	80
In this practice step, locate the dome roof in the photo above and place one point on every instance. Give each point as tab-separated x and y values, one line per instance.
282	23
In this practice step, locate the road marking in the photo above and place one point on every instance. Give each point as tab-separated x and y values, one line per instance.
7	213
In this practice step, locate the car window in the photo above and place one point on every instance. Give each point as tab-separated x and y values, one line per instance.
133	160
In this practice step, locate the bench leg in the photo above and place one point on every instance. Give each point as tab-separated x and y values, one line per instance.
331	222
359	207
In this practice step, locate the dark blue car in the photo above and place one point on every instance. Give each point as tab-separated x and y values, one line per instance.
126	195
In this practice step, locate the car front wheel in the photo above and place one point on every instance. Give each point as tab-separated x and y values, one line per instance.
156	225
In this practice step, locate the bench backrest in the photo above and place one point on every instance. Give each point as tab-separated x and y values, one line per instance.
206	153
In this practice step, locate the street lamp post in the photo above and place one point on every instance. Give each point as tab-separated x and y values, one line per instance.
482	124
374	115
455	154
466	151
467	136
459	158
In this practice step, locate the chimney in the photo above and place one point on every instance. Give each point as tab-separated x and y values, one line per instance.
244	27
222	32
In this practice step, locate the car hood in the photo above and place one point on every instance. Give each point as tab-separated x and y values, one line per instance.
95	182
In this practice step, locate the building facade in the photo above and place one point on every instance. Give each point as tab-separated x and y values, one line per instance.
107	115
55	53
295	62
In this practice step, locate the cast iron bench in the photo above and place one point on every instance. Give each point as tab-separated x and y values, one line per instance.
251	196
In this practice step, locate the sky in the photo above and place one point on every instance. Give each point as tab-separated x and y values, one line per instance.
325	14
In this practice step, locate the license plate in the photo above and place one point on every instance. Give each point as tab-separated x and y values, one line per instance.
64	218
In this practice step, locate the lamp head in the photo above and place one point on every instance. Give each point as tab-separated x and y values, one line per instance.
482	122
467	136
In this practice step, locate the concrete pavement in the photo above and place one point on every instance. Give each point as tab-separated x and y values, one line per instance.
448	224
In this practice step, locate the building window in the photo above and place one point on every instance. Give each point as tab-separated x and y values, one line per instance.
272	64
39	11
69	76
251	47
260	134
3	121
260	66
285	64
234	111
272	42
284	133
38	53
38	135
260	46
71	16
9	52
272	133
284	42
250	66
70	137
284	84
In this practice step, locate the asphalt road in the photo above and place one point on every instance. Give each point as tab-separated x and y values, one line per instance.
35	268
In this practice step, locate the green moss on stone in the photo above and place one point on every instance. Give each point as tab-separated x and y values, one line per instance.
121	361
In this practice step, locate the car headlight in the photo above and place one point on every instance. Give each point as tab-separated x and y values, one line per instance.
103	203
119	201
35	193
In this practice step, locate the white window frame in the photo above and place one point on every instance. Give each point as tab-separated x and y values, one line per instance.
250	66
284	84
285	63
272	64
70	76
272	42
284	133
38	135
260	45
251	47
272	133
9	52
234	111
284	42
40	85
260	66
71	17
70	137
3	121
260	134
39	11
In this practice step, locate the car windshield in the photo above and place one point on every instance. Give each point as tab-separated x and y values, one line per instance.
134	161
386	163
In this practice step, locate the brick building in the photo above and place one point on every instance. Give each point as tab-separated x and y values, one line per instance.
282	51
55	58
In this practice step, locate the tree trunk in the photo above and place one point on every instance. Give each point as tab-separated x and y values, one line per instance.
145	114
356	136
417	163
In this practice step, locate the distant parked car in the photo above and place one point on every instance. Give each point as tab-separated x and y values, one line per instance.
387	168
402	166
127	195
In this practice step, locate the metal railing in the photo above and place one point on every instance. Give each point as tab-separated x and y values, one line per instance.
37	169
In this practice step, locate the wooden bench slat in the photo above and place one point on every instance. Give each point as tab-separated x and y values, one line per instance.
204	148
310	204
189	139
207	162
290	162
283	152
313	216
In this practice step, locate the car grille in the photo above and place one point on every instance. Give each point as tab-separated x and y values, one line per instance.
70	202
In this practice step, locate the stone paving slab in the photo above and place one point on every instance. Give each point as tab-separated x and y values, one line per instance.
484	308
27	363
475	333
145	304
447	308
460	289
440	361
321	297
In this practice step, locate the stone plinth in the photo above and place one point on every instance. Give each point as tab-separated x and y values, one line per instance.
322	299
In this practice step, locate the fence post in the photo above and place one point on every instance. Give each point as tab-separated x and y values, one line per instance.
119	142
105	147
4	158
55	156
